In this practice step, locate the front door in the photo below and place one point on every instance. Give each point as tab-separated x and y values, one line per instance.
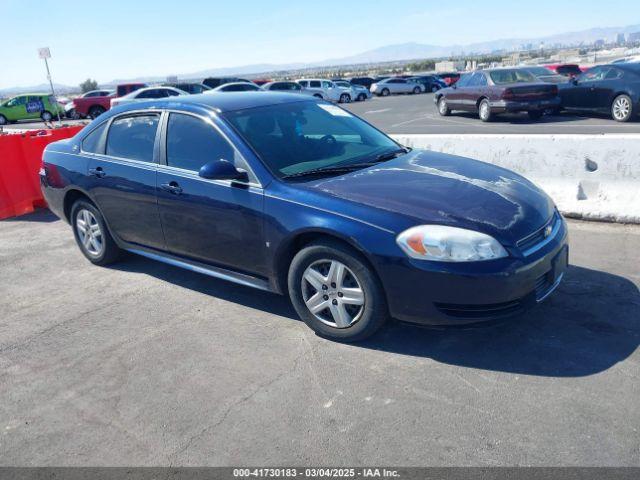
218	222
122	177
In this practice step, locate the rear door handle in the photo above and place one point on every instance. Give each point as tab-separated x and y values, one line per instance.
172	187
97	172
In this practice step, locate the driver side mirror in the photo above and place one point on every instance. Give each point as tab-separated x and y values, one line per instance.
222	170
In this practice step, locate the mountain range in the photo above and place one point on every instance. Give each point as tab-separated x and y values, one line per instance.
388	53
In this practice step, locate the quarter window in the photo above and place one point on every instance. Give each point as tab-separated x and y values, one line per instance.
92	143
191	143
133	137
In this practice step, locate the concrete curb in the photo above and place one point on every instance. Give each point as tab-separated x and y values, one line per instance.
589	176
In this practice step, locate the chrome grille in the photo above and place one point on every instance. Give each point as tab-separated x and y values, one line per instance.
530	242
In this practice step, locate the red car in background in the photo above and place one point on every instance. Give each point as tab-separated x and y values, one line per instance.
449	78
93	107
566	69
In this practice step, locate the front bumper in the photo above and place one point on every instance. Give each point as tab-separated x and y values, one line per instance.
436	293
525	106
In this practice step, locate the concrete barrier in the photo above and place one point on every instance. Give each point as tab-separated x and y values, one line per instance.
588	176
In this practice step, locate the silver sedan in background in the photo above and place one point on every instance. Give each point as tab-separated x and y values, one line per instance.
393	85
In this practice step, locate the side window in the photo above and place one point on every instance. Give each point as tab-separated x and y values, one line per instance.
92	143
464	80
133	137
171	93
314	84
304	83
327	84
482	80
614	74
191	143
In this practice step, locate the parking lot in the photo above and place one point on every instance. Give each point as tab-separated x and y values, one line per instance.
418	114
147	364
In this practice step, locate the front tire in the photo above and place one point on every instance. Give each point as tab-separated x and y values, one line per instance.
96	111
484	111
345	98
46	116
385	92
443	107
622	108
417	90
362	97
3	120
92	235
336	293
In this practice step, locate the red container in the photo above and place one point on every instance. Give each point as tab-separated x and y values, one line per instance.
20	161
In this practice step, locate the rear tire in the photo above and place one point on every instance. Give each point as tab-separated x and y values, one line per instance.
434	89
345	98
96	111
3	120
417	90
622	108
443	107
336	281
484	111
362	97
92	235
46	116
535	114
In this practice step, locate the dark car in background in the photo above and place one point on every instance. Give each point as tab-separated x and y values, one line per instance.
431	83
214	82
363	81
490	92
190	87
608	89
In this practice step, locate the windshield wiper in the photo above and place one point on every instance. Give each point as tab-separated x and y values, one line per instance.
349	167
390	155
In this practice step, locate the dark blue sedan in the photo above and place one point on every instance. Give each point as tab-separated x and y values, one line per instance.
294	195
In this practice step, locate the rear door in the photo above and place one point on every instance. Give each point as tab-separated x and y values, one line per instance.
455	94
219	222
122	176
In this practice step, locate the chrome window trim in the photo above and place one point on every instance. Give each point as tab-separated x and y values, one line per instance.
208	120
106	157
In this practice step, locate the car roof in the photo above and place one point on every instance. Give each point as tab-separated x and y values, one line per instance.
632	66
225	101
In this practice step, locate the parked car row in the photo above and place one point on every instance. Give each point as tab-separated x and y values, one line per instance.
612	89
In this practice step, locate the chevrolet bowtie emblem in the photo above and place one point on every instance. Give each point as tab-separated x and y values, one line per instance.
547	231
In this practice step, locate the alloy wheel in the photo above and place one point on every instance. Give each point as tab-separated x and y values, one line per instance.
621	108
333	293
89	232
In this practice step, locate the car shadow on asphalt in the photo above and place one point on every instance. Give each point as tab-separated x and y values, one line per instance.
39	215
591	323
522	118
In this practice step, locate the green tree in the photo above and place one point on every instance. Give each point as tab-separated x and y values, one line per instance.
88	85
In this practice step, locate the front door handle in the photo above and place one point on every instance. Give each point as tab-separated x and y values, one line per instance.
97	172
172	187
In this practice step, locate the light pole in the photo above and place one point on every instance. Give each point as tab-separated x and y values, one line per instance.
45	54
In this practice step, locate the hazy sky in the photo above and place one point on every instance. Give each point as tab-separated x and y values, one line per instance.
119	39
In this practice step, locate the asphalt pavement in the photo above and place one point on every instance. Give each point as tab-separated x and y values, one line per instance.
418	114
146	364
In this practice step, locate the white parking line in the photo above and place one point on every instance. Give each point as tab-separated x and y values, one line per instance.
377	111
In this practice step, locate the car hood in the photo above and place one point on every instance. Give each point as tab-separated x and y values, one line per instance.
428	187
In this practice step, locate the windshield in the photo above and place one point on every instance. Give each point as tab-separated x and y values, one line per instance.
501	77
294	138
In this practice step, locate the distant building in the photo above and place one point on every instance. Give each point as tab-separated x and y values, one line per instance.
620	39
633	37
450	66
599	43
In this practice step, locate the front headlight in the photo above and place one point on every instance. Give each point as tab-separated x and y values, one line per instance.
449	244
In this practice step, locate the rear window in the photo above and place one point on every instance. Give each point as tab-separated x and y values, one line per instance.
133	137
503	77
